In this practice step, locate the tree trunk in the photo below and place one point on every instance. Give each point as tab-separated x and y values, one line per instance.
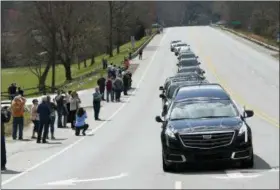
85	63
67	67
111	28
53	58
43	78
92	60
118	41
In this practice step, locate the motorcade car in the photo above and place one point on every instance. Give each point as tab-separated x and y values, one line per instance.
172	43
204	125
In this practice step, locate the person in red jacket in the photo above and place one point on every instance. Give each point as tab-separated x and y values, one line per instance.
109	89
126	63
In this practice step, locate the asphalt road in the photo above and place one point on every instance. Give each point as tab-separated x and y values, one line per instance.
124	151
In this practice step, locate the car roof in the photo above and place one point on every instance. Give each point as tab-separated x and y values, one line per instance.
183	83
188	59
174	41
204	91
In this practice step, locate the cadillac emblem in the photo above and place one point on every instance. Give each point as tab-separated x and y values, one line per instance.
207	137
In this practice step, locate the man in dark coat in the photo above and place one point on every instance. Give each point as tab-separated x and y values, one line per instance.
44	112
59	103
125	83
12	90
118	87
5	118
96	103
101	82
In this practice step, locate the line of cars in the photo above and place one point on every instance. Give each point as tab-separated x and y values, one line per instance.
200	121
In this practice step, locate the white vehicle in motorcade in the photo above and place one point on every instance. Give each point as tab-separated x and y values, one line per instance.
172	44
179	46
187	55
183	49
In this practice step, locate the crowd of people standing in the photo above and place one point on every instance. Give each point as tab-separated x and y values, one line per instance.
64	108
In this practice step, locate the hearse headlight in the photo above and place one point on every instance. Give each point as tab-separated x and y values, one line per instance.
243	131
170	132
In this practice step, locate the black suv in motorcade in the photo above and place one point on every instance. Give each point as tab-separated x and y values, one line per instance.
168	95
182	77
203	125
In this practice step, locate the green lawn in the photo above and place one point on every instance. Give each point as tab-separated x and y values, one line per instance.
23	76
25	79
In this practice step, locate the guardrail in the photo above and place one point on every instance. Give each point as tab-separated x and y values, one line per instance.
248	38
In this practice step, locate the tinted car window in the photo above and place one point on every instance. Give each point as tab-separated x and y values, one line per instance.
187	56
180	45
171	91
186	63
205	92
184	70
203	109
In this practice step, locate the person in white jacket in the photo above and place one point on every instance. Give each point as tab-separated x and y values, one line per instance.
74	105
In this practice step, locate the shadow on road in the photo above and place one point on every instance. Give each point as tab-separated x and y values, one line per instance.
260	164
220	168
27	140
59	139
203	169
54	143
7	172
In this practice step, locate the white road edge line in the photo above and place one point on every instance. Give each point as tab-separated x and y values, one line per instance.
74	181
92	131
237	175
178	185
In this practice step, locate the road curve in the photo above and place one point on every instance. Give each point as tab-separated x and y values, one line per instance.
125	151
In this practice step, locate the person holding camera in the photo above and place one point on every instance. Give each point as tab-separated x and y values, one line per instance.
18	108
80	123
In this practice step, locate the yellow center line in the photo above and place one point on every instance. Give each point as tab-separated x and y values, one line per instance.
238	98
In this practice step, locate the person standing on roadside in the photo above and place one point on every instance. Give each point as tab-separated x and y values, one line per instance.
97	97
5	118
67	98
20	91
35	118
125	83
126	64
59	103
101	82
140	54
74	105
44	117
65	113
17	107
53	109
12	90
109	89
118	85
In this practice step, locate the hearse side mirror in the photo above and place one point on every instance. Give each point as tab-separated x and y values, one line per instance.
203	72
158	119
162	96
161	88
177	64
196	57
248	113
